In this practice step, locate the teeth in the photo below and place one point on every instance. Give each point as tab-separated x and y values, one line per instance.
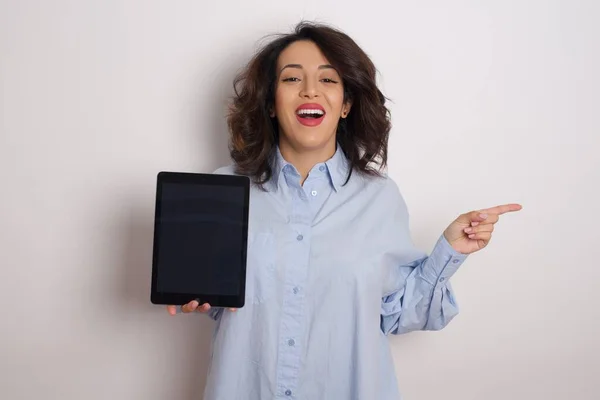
307	111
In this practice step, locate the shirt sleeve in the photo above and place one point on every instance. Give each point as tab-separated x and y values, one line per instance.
215	313
417	292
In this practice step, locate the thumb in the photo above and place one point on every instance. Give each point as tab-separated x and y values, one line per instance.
172	310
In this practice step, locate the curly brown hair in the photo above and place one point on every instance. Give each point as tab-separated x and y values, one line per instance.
362	135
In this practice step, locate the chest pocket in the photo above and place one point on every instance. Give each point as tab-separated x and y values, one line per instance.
261	282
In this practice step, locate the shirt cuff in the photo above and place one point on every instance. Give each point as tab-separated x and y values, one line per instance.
442	263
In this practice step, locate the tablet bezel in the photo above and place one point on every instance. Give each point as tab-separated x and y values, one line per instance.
165	298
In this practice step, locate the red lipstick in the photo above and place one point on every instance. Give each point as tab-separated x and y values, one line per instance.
310	114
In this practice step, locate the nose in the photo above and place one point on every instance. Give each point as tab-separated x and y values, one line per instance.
309	90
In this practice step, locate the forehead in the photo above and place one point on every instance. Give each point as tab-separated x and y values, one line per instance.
302	52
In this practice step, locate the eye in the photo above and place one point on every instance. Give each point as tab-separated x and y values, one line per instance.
328	80
292	79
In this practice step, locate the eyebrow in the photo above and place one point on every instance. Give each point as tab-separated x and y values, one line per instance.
299	66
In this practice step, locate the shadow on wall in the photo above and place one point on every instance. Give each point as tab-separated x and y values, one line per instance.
210	137
214	95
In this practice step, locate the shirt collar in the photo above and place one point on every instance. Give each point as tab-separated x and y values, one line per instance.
336	168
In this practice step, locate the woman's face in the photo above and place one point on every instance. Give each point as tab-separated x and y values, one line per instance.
308	98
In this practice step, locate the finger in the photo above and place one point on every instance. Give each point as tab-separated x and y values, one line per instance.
489	219
233	309
485	236
475	218
503	209
204	308
189	307
172	310
480	228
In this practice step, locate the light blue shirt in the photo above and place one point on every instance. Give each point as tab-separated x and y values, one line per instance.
331	272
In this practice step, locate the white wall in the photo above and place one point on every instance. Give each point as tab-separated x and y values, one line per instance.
494	102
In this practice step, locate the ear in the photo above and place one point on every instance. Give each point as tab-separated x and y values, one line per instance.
271	112
346	109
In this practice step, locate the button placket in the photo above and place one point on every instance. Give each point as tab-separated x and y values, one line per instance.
293	301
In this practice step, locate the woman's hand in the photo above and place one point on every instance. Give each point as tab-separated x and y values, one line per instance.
472	231
191	307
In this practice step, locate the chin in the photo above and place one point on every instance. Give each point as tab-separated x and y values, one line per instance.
311	139
313	143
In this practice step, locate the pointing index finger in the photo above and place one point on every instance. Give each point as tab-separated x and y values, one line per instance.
502	209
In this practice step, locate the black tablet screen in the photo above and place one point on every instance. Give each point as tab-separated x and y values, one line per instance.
200	238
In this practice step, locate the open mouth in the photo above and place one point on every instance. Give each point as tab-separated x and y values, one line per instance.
310	116
307	113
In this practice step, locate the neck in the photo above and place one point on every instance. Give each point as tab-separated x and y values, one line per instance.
305	159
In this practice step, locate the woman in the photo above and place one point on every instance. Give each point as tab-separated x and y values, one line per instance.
331	267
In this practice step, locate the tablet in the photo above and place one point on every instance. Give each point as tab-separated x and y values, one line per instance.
200	239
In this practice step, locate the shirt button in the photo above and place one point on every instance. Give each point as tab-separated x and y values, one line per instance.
291	342
288	392
321	168
299	237
314	192
442	279
455	261
295	290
